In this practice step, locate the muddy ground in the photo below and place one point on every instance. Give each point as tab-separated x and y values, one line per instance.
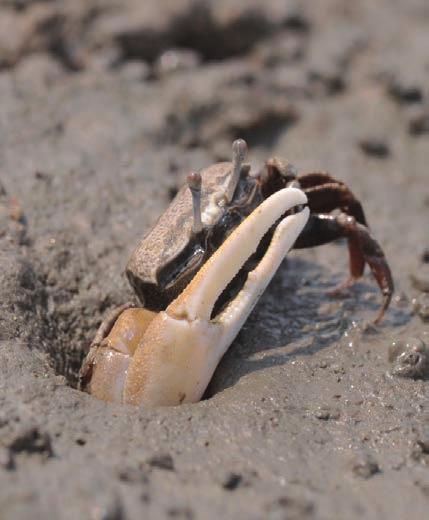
100	119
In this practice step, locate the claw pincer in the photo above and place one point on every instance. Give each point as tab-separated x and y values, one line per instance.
168	358
202	268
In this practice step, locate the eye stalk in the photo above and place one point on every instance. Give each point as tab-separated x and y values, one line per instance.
239	151
194	182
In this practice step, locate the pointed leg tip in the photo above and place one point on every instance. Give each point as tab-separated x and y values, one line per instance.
380	315
349	282
378	319
384	307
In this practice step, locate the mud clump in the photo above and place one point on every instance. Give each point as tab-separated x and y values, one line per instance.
409	358
364	465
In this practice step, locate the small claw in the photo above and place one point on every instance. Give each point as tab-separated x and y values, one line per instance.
104	369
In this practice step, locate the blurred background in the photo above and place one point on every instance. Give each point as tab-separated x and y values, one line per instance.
105	105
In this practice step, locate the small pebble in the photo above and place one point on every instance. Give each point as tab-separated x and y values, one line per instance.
405	93
174	60
409	358
132	475
6	459
107	506
420	278
181	512
420	306
423	486
375	148
419	125
232	481
423	439
324	413
162	461
135	71
364	465
32	440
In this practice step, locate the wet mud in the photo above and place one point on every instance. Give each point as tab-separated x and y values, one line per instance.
105	107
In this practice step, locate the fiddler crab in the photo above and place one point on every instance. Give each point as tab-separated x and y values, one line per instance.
202	268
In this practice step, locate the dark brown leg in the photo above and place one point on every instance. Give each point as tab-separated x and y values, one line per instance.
363	248
309	180
327	197
356	262
324	192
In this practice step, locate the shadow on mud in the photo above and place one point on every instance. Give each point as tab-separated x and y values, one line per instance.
295	317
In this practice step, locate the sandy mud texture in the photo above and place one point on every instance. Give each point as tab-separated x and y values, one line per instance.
104	107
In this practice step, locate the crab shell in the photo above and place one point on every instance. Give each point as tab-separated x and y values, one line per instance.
168	257
168	358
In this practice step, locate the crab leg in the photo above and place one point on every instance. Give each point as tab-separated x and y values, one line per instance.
175	359
363	249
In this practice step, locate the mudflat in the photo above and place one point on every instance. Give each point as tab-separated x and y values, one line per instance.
105	107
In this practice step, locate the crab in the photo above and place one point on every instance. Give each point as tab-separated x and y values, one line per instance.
202	268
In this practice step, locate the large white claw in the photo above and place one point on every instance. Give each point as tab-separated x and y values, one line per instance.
180	349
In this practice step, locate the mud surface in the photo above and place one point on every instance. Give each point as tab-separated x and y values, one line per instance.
100	119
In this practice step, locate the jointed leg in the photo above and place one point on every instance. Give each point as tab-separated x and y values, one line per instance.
310	180
326	197
363	248
324	192
356	265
